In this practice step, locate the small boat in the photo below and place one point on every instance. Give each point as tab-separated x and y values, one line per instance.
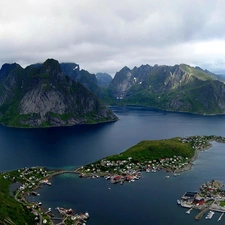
189	211
178	202
87	215
167	177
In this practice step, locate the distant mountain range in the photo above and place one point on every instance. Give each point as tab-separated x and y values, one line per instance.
53	94
42	95
180	88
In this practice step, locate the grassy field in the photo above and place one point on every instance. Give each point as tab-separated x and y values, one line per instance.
156	150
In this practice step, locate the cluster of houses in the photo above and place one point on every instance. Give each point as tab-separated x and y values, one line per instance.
202	142
30	179
211	197
127	170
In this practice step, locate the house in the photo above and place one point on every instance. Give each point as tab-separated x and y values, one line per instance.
199	201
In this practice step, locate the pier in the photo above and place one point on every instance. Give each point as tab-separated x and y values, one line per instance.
220	216
199	216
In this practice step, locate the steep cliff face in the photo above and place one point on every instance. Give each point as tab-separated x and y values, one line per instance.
175	88
43	96
103	79
121	83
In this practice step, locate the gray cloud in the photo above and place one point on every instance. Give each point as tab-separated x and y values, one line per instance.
107	35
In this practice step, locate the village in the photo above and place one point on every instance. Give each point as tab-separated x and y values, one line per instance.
210	198
119	171
25	183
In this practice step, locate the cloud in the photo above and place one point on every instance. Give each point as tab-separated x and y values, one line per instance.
108	35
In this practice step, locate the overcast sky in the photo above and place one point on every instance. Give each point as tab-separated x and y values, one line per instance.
106	35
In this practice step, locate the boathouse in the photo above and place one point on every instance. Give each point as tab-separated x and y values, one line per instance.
199	201
189	195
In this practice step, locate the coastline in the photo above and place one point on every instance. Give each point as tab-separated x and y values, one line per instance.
22	175
32	182
190	164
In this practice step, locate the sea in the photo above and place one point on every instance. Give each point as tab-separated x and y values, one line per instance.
151	200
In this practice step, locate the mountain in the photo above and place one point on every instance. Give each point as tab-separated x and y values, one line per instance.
179	88
41	95
103	79
82	76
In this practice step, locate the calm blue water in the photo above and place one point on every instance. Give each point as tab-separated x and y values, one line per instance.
151	200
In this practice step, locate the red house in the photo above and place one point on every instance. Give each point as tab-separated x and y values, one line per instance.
199	201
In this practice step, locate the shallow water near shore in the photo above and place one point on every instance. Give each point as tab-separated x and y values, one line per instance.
150	200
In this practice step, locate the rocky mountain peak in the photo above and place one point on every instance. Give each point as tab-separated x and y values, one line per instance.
52	68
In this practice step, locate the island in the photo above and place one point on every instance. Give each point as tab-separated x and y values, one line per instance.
211	197
172	155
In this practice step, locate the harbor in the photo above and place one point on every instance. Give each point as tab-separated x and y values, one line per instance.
210	199
30	181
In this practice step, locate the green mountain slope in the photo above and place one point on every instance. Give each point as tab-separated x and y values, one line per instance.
175	88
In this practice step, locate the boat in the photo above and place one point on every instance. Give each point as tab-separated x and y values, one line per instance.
86	214
108	177
178	202
189	211
167	177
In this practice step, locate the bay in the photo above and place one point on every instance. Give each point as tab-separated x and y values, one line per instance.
151	200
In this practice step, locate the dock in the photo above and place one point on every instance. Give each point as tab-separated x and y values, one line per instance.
220	216
199	216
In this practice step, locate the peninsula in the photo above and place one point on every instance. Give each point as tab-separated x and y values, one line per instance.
15	208
173	155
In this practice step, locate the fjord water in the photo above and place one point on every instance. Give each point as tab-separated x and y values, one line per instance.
152	199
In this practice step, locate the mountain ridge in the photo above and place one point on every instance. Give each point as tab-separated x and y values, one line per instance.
43	96
179	88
